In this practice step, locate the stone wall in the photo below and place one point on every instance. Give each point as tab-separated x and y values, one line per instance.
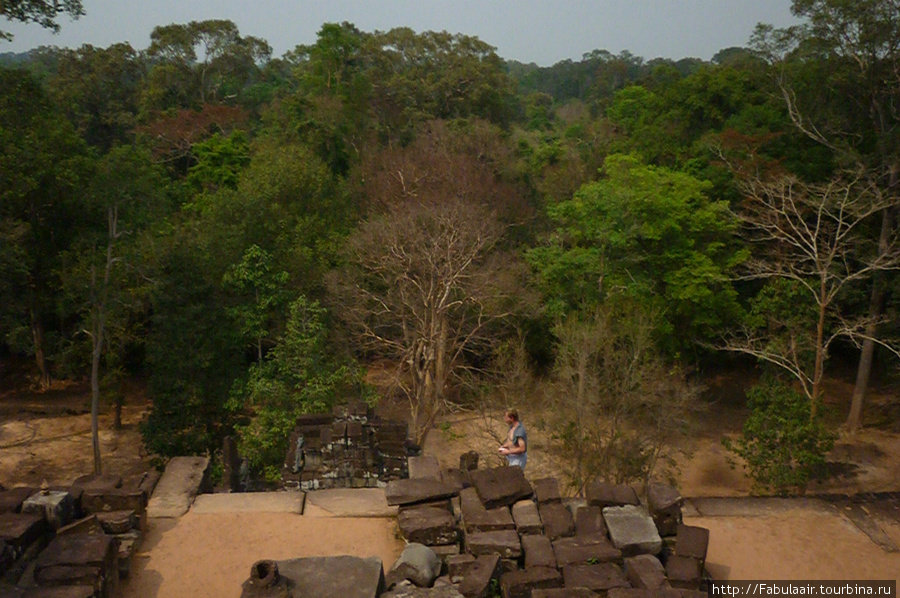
348	448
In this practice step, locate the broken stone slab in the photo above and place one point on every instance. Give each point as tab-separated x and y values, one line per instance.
113	499
445	551
664	499
557	520
631	530
505	543
418	564
581	549
149	481
600	578
501	486
56	506
79	550
646	572
476	582
546	490
457	478
11	499
410	492
457	566
68	575
183	479
589	522
428	525
604	494
407	590
341	576
520	583
692	541
129	543
20	530
684	572
527	519
106	481
266	581
478	519
425	466
538	551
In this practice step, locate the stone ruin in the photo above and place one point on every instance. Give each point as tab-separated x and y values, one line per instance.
348	448
71	542
472	533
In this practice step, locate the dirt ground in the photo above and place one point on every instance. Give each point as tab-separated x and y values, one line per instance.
47	436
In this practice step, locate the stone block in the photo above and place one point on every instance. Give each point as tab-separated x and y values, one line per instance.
476	518
91	481
11	499
521	583
604	494
129	543
538	551
408	492
118	522
505	543
445	551
664	499
355	431
501	486
546	490
527	519
601	577
589	522
343	576
425	466
113	499
20	530
418	564
581	549
557	520
692	541
69	575
646	572
684	572
56	506
573	503
150	479
78	550
443	504
631	530
457	478
457	566
428	525
468	461
476	581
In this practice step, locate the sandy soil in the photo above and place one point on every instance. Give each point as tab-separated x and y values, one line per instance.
210	555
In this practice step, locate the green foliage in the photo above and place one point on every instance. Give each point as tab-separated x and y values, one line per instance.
648	233
220	161
298	376
782	444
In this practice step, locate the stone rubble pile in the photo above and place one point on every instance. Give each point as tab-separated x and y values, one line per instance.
493	530
347	448
73	542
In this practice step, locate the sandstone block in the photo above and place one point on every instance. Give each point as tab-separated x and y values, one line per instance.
501	486
527	519
631	530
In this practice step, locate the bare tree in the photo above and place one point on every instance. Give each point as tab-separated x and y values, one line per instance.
811	237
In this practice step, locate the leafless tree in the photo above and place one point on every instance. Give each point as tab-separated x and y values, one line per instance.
812	237
428	282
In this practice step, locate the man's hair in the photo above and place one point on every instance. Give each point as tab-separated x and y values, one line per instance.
513	414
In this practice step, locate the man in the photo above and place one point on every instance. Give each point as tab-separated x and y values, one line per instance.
515	447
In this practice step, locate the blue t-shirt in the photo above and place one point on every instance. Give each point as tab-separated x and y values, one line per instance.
519	459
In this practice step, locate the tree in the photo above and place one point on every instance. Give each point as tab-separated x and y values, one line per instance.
838	74
426	282
810	246
43	165
616	407
42	12
648	233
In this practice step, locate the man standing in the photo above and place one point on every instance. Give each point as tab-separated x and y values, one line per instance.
515	447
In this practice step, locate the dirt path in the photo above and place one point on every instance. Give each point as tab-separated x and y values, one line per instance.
210	555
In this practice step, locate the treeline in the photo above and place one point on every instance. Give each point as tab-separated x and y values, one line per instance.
245	230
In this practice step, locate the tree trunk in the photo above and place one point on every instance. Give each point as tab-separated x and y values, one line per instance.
37	333
95	395
876	306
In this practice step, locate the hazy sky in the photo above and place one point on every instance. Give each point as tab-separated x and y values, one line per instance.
537	31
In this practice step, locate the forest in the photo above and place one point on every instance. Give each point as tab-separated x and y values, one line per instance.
247	233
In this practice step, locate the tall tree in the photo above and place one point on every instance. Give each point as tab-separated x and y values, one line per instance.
839	74
42	12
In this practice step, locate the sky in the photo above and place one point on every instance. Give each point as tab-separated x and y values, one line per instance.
540	31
